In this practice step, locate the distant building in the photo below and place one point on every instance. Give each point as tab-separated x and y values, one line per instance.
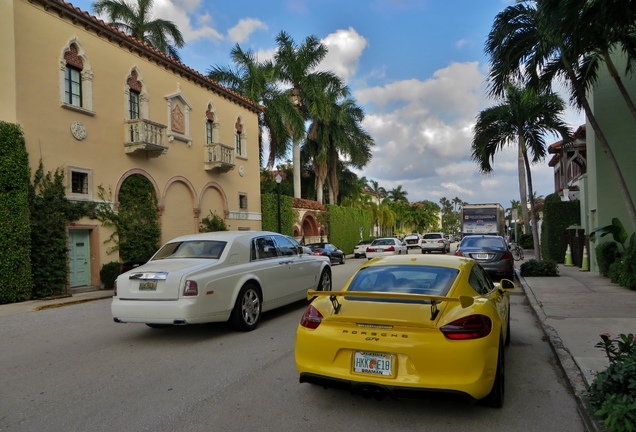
569	162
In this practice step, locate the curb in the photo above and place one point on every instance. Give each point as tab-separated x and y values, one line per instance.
70	302
569	367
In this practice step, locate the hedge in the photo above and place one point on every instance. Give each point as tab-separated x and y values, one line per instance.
557	216
344	226
16	279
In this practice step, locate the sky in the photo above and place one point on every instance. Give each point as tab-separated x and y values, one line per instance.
416	67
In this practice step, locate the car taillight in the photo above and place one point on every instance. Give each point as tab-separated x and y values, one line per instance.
507	256
458	253
115	288
389	249
319	253
311	318
191	289
440	241
471	327
370	249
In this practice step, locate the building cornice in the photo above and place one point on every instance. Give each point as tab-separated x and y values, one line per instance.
113	35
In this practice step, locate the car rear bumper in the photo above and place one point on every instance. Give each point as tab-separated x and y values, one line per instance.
499	268
381	391
181	311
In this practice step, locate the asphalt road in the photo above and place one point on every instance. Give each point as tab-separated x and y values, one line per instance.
74	369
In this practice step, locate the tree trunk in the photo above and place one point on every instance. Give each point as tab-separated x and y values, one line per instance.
296	162
619	83
522	184
533	214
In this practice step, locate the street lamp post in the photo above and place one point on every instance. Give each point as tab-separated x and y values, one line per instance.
278	180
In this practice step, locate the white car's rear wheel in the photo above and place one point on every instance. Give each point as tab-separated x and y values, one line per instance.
247	310
325	281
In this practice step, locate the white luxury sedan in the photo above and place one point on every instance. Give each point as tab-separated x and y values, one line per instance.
386	246
218	276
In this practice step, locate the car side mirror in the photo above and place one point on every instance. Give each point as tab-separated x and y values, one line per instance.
507	284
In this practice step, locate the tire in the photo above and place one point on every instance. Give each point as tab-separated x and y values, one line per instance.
158	326
356	256
247	310
444	251
342	260
325	281
520	254
495	398
507	341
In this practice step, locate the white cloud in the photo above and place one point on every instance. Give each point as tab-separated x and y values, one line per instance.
462	43
178	13
345	48
242	31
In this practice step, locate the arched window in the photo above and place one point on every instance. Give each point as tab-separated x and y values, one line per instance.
76	79
134	96
240	139
209	125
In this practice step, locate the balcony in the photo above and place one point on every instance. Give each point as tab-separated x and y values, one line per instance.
143	136
219	157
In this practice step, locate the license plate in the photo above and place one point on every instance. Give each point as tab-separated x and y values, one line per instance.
148	285
373	363
481	256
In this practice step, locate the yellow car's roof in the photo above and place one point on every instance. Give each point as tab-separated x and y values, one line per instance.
439	260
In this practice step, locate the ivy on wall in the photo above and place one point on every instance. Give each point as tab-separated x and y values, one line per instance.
50	214
16	280
557	216
269	210
136	223
344	226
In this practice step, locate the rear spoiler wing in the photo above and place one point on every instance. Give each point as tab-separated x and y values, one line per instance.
464	301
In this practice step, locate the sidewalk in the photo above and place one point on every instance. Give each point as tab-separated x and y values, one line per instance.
574	309
36	305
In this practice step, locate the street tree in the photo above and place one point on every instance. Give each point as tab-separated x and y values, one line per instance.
539	42
522	119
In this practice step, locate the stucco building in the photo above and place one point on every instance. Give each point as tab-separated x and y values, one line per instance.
104	106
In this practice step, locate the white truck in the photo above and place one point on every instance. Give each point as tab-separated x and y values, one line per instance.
483	219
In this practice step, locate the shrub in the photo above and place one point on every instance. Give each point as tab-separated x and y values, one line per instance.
606	254
545	267
612	392
109	273
212	223
16	279
557	217
526	241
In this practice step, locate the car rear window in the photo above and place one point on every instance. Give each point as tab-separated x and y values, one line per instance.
432	236
204	249
483	242
383	242
411	279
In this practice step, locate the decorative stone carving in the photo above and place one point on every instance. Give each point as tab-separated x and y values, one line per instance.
78	130
178	120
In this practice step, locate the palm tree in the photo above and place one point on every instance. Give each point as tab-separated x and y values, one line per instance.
541	43
135	19
258	82
398	195
522	119
296	65
378	190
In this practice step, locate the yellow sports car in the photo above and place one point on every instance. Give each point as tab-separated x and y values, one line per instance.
409	326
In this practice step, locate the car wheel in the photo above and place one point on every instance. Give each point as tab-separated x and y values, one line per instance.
247	310
325	281
356	256
444	251
342	260
158	326
507	341
495	398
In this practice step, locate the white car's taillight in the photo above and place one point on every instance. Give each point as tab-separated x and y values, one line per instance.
191	288
470	327
115	288
311	318
389	249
